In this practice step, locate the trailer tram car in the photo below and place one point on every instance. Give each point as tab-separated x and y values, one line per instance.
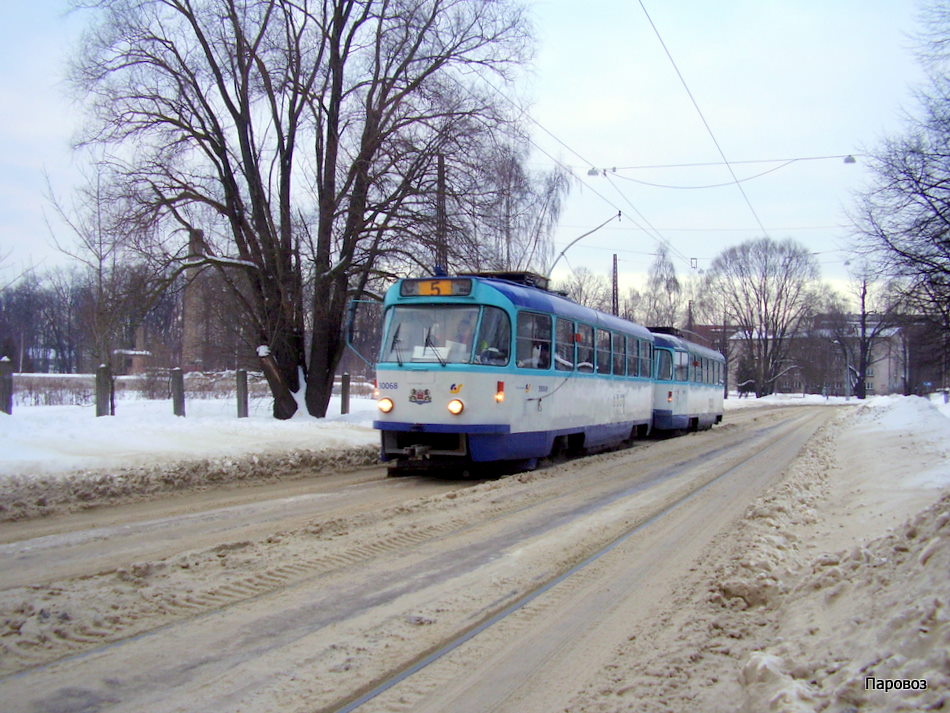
477	369
689	385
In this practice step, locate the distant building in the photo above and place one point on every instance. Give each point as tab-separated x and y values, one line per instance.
910	355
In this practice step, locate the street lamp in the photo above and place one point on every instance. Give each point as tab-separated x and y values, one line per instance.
571	244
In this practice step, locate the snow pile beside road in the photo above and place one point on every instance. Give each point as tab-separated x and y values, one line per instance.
45	440
837	573
867	626
31	496
60	456
867	629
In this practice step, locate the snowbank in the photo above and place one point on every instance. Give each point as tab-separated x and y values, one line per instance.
55	456
865	623
836	575
48	440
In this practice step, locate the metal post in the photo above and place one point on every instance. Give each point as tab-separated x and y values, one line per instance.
345	393
178	392
242	393
103	391
6	385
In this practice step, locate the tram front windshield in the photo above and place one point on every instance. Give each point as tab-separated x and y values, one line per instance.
447	334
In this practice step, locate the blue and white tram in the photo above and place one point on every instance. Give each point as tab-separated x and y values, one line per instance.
477	369
689	385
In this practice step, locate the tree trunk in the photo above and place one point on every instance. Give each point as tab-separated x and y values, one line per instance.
326	346
285	405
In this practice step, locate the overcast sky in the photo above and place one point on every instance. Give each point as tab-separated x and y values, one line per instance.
774	80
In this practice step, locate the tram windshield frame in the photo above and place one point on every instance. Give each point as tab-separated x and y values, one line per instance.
446	334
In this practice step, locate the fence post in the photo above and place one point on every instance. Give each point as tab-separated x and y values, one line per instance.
178	391
103	391
345	393
242	393
6	385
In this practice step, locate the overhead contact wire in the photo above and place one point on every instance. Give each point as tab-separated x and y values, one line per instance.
702	117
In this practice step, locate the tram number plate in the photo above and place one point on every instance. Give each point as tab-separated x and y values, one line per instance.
435	287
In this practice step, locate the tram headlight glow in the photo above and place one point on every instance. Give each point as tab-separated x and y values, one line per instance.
385	405
455	407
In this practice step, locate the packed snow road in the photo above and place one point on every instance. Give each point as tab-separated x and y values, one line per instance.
328	594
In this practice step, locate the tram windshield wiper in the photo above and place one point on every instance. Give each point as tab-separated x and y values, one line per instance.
394	346
430	345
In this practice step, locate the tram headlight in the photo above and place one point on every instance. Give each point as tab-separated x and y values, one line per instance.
385	405
455	407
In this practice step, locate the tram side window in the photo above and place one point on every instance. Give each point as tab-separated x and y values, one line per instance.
620	356
494	337
664	365
603	351
585	348
681	366
633	356
534	340
564	345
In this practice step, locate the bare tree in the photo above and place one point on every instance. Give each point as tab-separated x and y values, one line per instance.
631	305
587	288
61	314
512	212
663	296
295	135
118	288
879	306
903	220
765	286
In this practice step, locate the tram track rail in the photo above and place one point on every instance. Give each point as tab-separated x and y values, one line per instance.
494	618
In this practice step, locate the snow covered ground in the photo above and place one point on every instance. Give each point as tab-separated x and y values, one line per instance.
46	440
43	441
836	575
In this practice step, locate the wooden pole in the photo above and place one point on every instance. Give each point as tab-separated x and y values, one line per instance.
6	385
178	391
103	391
242	393
345	393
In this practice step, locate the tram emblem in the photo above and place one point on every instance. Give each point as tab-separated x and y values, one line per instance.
420	396
455	388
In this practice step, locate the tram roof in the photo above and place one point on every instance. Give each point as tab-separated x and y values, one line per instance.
674	342
535	298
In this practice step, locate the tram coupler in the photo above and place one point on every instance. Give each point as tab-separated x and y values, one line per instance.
417	452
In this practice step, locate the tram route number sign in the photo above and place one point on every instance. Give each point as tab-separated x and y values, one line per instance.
435	288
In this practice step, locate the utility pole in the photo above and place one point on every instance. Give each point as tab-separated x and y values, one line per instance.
441	227
615	294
